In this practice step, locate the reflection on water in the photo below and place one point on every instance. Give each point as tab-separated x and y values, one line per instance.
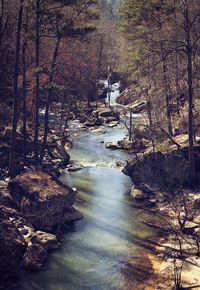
101	253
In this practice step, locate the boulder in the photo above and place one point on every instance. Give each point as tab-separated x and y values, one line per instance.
83	119
34	257
137	193
102	93
132	95
136	145
109	120
5	198
138	107
12	248
41	198
39	245
94	120
147	189
161	170
4	155
89	124
197	203
48	241
106	113
112	145
125	144
98	121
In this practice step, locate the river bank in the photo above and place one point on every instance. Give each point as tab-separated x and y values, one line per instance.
162	177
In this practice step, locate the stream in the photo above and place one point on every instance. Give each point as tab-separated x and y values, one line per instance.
102	251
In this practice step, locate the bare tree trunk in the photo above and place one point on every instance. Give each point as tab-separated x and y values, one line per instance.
15	92
24	48
99	68
1	21
149	109
62	114
109	84
130	126
46	118
177	76
37	81
167	97
190	94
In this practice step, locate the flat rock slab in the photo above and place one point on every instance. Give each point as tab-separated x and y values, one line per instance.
98	130
113	124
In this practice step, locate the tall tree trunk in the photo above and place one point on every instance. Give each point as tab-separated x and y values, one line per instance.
37	81
177	75
167	97
62	114
189	51
24	48
109	84
15	92
130	125
99	68
46	117
1	21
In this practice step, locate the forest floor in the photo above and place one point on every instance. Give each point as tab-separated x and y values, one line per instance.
175	258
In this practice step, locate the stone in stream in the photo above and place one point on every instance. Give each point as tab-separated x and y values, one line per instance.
111	119
98	130
95	122
112	145
39	243
108	115
113	124
72	168
89	124
120	163
137	193
125	144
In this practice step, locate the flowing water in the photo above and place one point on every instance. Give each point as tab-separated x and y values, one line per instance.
103	250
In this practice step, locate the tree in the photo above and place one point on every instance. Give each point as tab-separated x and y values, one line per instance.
24	85
15	91
163	32
60	33
188	25
37	78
